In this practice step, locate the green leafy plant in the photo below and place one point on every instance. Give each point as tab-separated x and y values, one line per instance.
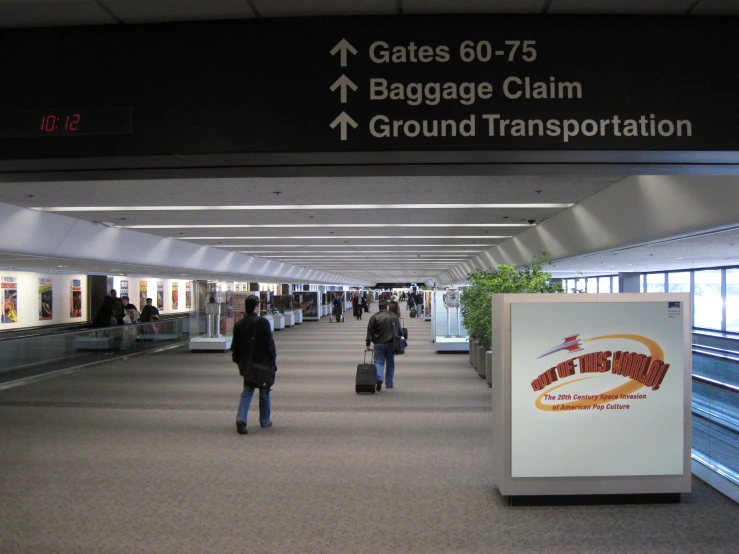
475	300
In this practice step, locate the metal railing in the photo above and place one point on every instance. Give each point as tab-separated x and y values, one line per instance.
39	354
715	409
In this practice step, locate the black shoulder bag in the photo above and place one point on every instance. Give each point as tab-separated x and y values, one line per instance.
259	376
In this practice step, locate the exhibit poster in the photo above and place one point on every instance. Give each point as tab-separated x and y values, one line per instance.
75	303
265	300
597	389
239	305
160	295
188	295
10	300
45	299
283	303
308	303
124	288
428	296
175	295
143	291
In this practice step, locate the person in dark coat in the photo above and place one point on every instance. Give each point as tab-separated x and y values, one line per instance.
381	329
264	353
105	313
362	307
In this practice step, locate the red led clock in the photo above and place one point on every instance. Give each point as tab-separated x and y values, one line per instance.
66	123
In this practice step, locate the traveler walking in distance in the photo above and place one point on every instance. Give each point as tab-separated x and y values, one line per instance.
264	353
380	331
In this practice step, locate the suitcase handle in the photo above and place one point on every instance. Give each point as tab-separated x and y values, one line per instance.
372	359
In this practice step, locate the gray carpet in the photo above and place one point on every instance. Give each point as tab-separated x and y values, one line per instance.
142	455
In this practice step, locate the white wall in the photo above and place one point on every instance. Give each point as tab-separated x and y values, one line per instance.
28	299
134	289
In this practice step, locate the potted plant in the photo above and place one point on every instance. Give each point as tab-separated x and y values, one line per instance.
475	300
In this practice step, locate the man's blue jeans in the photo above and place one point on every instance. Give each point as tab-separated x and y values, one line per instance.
384	354
265	405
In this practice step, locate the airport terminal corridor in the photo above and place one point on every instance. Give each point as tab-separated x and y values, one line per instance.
142	455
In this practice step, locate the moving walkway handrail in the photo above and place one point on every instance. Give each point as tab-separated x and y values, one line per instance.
715	384
89	328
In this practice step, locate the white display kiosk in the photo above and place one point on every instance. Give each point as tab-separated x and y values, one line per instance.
447	327
215	306
279	321
591	394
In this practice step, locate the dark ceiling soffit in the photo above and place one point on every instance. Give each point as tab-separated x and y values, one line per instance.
376	164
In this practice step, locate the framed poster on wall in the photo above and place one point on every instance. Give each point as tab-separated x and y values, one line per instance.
160	295
75	301
10	300
188	295
45	299
175	295
124	288
143	292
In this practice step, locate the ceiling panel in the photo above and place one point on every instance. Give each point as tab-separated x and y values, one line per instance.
330	206
296	8
305	190
717	7
148	11
52	13
707	250
472	6
635	7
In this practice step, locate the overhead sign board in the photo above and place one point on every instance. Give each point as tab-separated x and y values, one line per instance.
372	84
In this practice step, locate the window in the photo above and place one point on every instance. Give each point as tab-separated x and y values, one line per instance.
591	284
604	284
678	282
655	282
708	304
580	284
732	300
615	285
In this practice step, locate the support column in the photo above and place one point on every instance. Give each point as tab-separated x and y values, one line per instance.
97	289
629	282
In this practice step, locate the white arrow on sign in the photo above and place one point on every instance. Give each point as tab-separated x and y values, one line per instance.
343	82
343	47
343	120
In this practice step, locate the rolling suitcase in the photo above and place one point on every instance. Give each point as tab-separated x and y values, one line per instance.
366	376
414	313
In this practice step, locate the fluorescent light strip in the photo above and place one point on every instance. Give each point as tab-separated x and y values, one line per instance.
343	237
323	225
361	255
353	245
303	207
358	250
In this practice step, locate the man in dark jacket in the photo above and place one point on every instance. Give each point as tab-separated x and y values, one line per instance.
264	353
380	330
